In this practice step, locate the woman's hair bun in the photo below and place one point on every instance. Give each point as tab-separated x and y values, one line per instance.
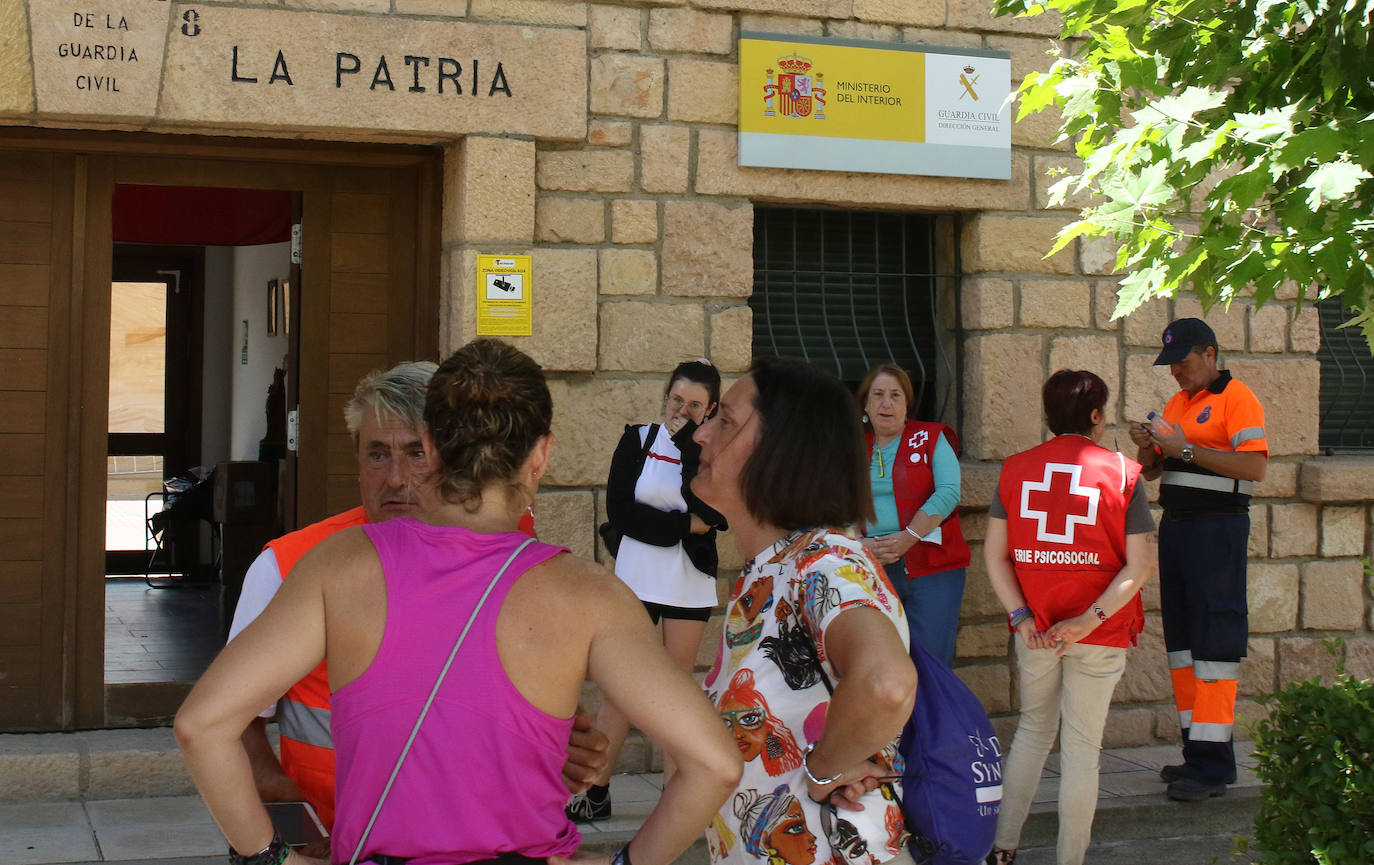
487	405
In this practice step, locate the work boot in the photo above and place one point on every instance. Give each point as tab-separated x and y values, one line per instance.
1170	774
1189	789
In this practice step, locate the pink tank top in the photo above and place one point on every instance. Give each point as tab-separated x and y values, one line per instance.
484	776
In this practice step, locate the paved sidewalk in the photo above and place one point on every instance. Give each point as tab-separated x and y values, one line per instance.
1135	823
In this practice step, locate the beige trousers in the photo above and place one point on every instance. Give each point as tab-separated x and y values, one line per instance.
1068	696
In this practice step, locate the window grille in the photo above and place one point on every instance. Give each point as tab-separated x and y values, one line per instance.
1347	382
846	290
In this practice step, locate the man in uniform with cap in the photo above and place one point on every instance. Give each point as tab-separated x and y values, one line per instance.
1208	454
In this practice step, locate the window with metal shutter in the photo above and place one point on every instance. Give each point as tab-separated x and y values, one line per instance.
1347	382
846	290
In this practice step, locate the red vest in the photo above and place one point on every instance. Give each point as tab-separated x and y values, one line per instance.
912	484
1066	504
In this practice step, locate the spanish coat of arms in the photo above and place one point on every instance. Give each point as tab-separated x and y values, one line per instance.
797	92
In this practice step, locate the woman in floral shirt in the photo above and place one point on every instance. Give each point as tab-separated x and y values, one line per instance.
812	677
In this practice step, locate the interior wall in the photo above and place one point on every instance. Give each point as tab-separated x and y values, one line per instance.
217	340
251	374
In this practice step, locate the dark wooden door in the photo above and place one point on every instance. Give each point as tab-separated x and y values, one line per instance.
36	199
368	298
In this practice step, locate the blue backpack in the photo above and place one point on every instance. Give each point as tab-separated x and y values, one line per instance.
952	777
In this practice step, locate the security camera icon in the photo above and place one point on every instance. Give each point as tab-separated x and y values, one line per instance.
505	286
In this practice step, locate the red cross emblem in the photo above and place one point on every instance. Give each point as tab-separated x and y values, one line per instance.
1061	481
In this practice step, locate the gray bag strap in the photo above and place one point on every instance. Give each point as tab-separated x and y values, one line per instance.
430	701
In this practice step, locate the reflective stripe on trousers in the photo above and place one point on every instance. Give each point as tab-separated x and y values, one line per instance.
305	723
1205	695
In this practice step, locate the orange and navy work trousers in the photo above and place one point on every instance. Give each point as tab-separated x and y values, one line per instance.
1202	596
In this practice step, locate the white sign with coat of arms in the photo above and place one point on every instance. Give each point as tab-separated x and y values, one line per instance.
851	105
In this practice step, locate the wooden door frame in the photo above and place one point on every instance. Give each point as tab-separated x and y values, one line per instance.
102	160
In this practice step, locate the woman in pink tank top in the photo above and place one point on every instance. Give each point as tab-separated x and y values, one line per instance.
384	604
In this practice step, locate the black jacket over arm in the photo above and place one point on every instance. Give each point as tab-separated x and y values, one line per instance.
650	525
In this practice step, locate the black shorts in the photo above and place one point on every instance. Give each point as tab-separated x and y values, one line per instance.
663	611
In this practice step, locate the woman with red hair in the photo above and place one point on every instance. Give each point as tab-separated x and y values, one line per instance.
757	732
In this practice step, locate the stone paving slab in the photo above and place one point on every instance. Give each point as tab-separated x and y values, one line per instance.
94	764
158	827
1183	850
1135	822
44	832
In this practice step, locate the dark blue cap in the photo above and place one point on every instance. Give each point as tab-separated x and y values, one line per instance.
1181	337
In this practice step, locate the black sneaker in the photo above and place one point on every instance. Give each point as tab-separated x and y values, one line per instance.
581	809
1192	790
1170	774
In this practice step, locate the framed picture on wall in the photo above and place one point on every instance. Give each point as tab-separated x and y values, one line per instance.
273	305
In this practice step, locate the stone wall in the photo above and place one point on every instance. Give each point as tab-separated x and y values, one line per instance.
639	220
656	193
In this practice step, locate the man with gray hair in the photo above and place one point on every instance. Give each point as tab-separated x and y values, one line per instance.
385	418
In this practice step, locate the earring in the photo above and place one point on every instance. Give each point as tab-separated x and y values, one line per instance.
773	746
865	417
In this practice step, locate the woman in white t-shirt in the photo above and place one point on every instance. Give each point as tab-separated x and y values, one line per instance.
813	675
667	549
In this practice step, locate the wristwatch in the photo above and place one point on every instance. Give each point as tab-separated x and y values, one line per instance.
273	854
1187	453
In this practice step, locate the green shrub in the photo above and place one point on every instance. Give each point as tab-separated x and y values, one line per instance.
1316	757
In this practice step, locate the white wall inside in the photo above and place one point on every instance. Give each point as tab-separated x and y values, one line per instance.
251	375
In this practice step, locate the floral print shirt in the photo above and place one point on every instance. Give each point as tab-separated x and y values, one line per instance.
768	686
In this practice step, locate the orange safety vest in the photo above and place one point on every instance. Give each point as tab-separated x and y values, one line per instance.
307	746
1227	416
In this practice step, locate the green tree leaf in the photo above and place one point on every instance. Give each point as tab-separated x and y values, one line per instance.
1333	181
1270	102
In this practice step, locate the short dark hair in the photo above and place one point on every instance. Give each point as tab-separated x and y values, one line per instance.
1070	395
699	371
810	466
487	406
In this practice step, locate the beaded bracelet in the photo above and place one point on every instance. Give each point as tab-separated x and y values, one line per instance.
1018	615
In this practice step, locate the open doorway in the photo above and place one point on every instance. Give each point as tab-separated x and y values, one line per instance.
200	347
366	296
156	295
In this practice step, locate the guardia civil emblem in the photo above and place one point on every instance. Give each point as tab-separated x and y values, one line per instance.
969	78
797	92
